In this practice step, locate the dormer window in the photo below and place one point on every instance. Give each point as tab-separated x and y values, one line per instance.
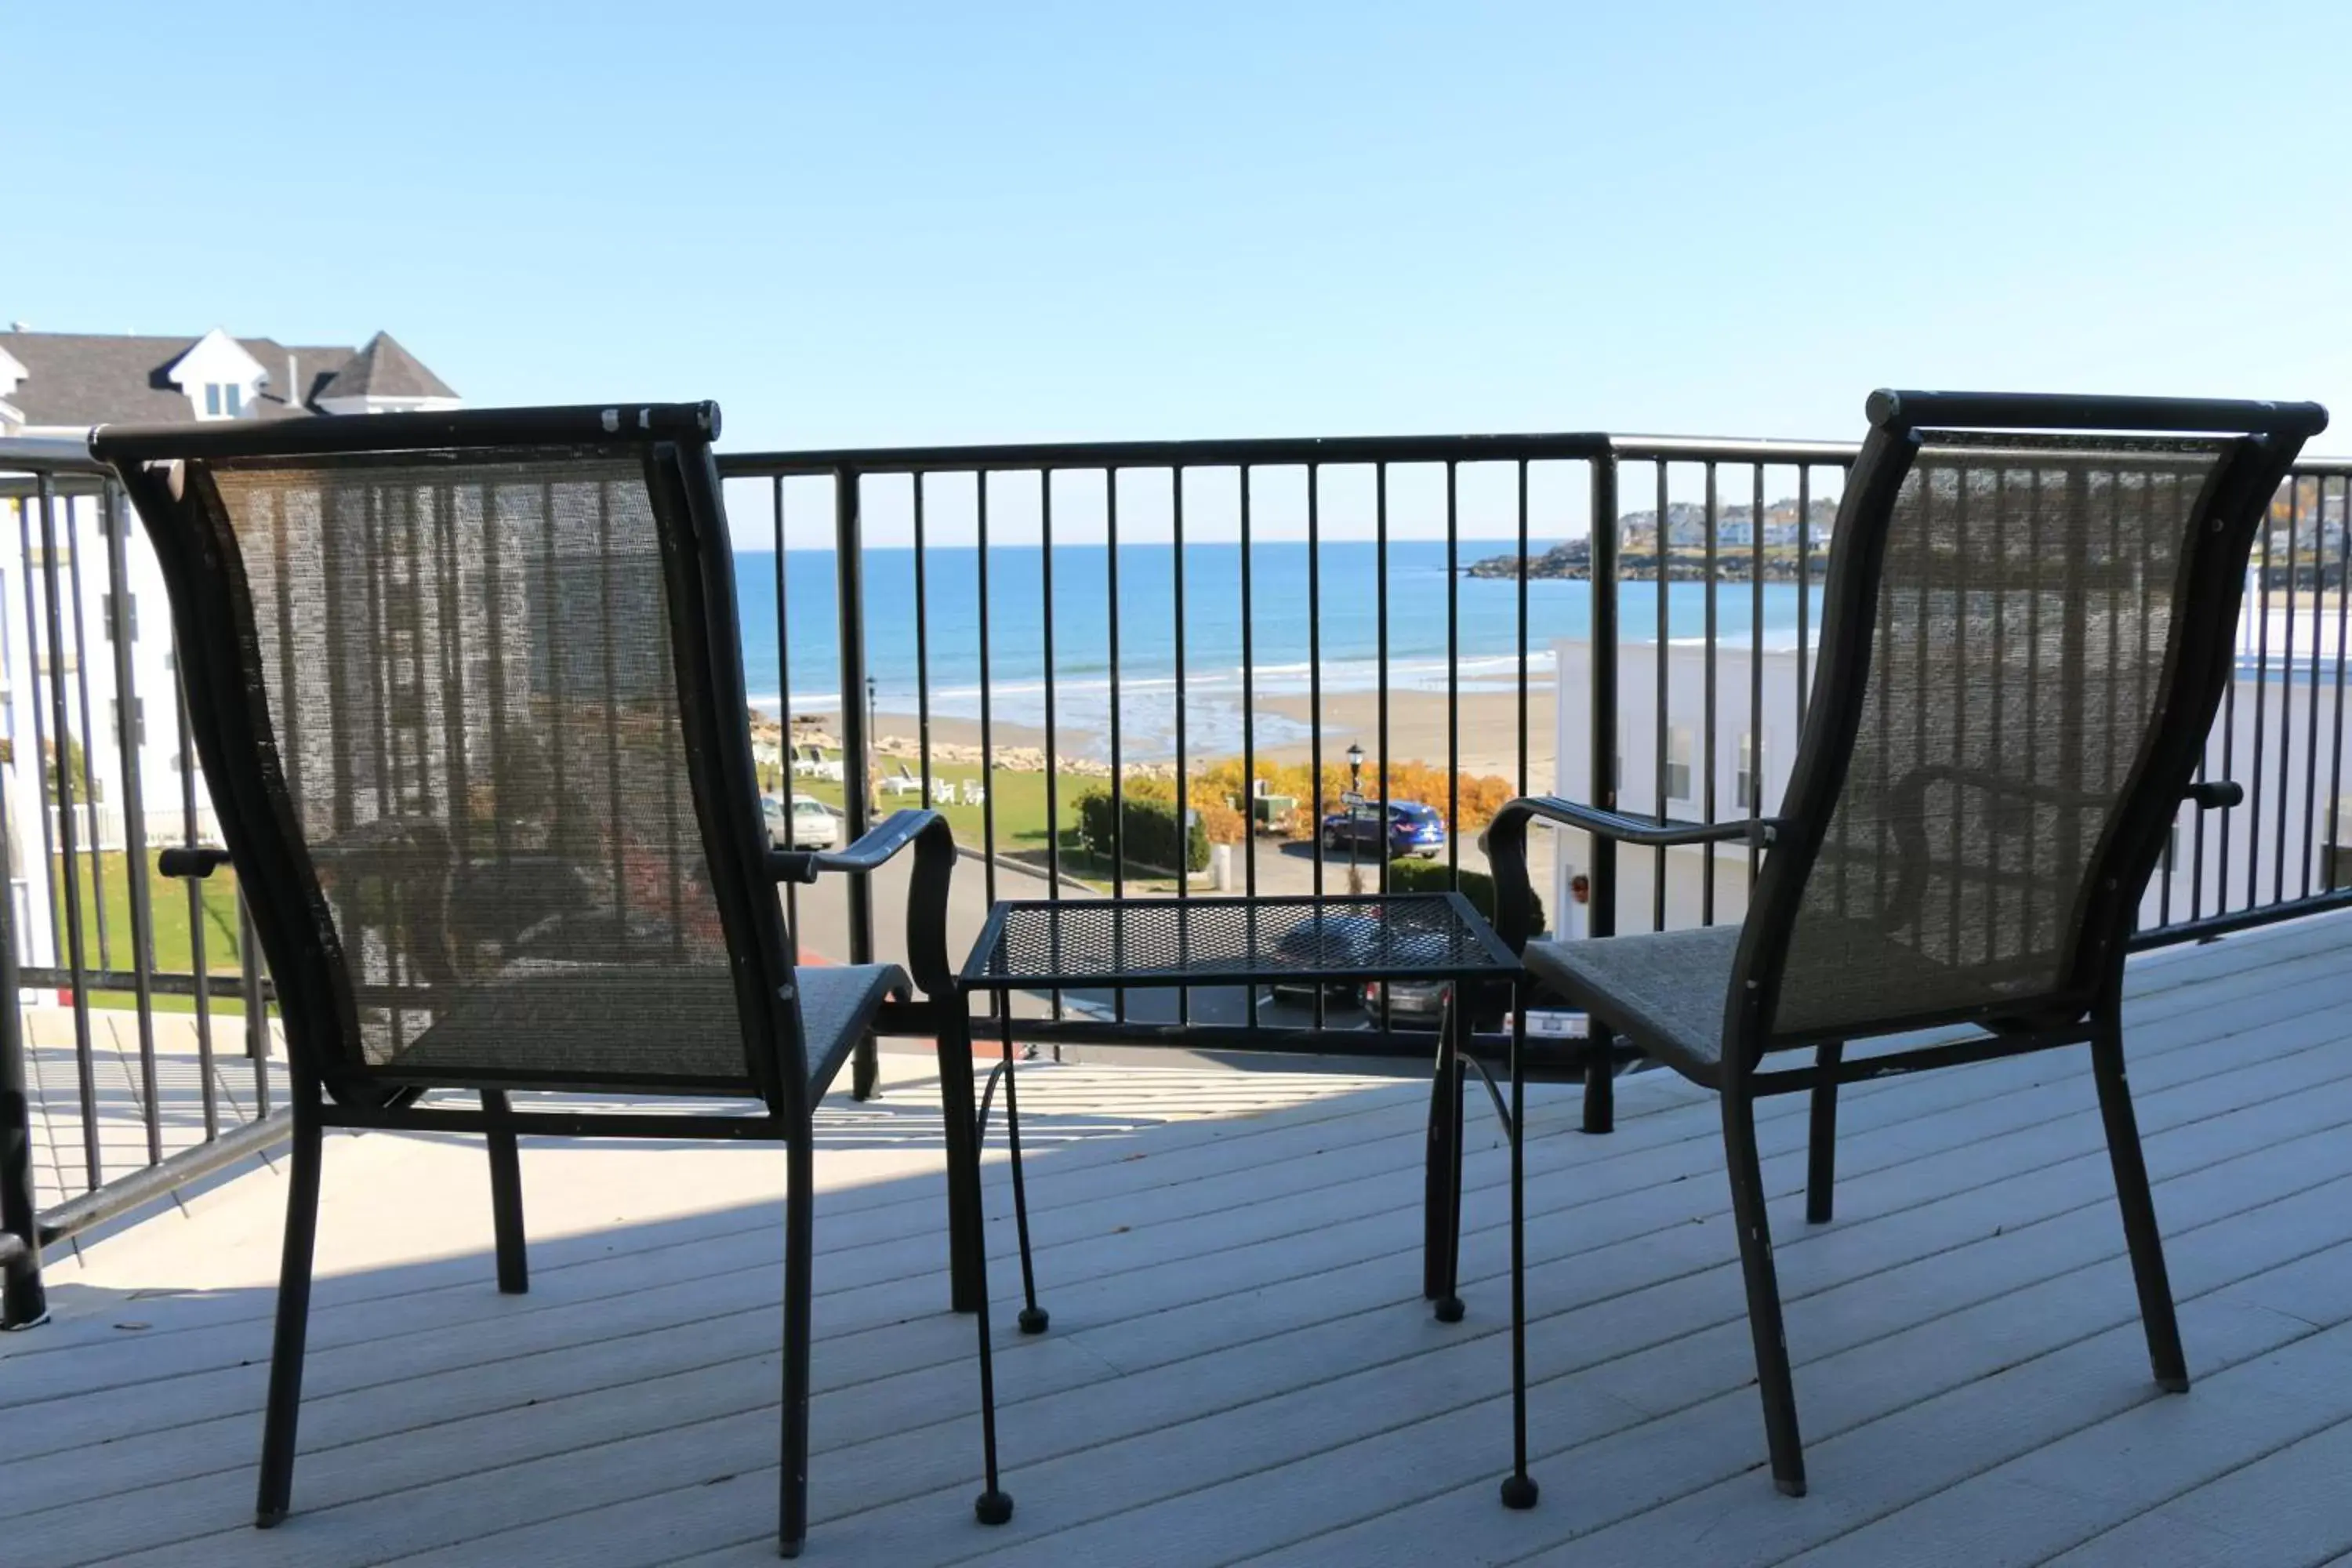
224	399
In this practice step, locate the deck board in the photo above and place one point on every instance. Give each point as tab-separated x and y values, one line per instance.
1241	1367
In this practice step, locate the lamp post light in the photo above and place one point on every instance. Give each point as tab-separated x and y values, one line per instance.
1355	804
873	742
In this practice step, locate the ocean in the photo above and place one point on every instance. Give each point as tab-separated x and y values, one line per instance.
1280	648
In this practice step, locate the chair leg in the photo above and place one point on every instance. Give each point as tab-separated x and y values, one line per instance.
506	1200
285	1405
2140	1233
865	1069
800	1242
1033	1319
1519	1490
1442	1177
1821	1147
967	1244
1600	1076
1773	1377
995	1504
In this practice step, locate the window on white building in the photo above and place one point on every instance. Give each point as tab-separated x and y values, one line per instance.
212	398
1751	763
132	603
224	399
1678	763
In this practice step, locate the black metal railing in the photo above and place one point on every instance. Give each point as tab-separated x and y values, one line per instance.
1162	625
93	1127
1683	693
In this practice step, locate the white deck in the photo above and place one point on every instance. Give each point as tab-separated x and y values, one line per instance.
1241	1367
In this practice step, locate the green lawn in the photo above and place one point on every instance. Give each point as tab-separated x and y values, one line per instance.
1018	799
168	900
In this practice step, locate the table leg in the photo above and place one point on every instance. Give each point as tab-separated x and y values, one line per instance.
1033	1318
966	1269
1441	1194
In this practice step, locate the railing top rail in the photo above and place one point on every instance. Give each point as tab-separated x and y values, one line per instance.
1303	451
40	455
1255	452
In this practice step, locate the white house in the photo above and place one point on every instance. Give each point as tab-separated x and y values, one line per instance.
56	385
2275	844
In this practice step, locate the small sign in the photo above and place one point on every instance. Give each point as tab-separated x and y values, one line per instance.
1556	1023
1350	797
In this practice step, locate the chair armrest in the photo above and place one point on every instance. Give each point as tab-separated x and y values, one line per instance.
1506	843
199	860
2216	795
927	897
1640	830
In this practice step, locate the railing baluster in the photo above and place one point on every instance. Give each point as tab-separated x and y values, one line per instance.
199	965
1665	681
1315	688
1755	757
1453	681
1705	759
1184	758
2343	601
113	524
1249	705
1053	756
68	860
88	734
1118	756
922	649
784	721
2311	720
1600	883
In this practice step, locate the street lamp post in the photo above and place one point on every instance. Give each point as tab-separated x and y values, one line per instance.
1355	802
872	784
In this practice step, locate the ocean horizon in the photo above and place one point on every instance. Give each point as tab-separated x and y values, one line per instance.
1285	645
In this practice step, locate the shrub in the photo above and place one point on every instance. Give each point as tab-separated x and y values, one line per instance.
1481	794
1478	887
1147	835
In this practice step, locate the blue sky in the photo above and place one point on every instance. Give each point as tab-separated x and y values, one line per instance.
868	223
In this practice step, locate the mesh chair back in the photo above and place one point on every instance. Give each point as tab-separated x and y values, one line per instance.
2025	639
465	665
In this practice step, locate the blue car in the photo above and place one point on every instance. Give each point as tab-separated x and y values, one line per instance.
1412	828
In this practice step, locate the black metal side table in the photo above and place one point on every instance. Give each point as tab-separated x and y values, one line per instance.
1078	944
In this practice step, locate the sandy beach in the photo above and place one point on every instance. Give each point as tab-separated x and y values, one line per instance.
1488	729
1417	731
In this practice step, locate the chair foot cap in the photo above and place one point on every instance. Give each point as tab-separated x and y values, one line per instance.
789	1548
992	1506
1519	1491
2174	1384
1449	1309
267	1518
1034	1320
1790	1487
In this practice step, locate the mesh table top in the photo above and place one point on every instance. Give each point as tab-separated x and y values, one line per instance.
1198	942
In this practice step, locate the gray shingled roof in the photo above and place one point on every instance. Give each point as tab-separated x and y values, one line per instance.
385	369
96	378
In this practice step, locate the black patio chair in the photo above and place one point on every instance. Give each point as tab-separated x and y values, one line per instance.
468	693
2027	626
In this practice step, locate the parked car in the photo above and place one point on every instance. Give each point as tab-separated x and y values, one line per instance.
1421	1004
1412	828
815	825
1412	1004
1333	939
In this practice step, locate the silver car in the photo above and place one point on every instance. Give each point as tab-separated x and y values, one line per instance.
814	825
